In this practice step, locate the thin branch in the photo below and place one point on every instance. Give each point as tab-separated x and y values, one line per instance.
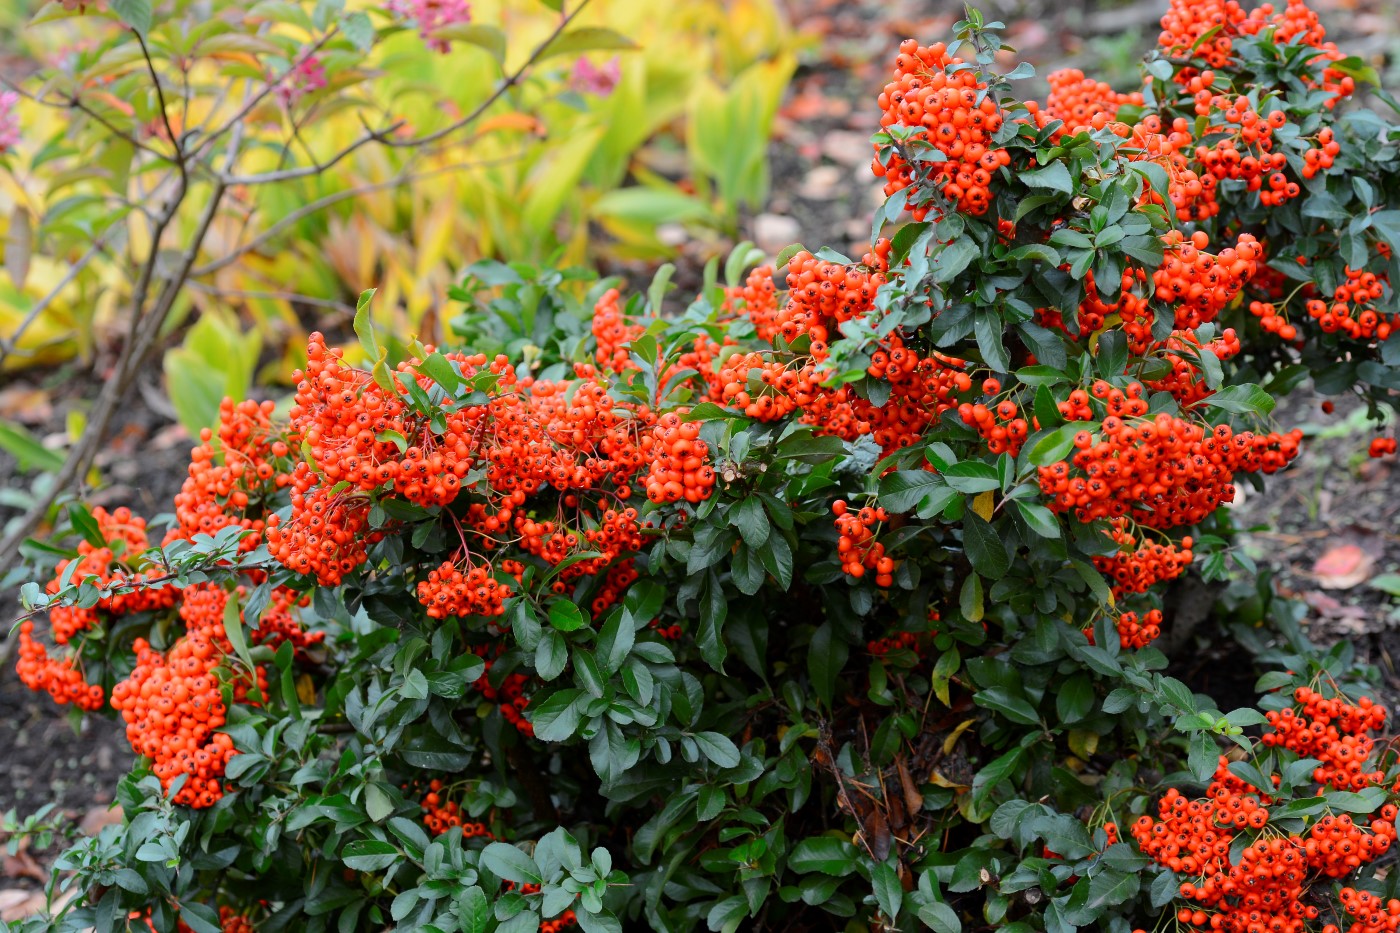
328	303
145	328
384	135
72	102
496	95
403	178
7	344
318	167
261	95
164	111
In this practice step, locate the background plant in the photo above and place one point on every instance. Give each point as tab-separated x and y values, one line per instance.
260	162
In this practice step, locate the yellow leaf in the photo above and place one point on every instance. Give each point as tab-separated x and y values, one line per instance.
1083	743
941	781
306	689
982	505
953	736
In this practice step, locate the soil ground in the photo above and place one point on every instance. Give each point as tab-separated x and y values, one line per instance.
821	180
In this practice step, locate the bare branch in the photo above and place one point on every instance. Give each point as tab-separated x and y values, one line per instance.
403	178
317	168
510	81
261	95
164	110
7	344
145	328
327	303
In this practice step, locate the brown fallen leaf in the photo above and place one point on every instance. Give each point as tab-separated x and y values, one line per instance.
21	865
18	903
1343	566
97	817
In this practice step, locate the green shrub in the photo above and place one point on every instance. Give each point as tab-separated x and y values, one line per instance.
830	607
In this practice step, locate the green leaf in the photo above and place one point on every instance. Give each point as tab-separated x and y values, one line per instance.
370	855
826	656
940	917
551	655
1203	755
557	718
1075	698
440	369
718	748
1040	519
586	39
566	616
984	547
1243	399
473	910
83	523
356	27
615	641
233	631
134	13
903	490
378	803
889	894
364	326
511	864
16	440
825	854
483	36
970	599
1056	445
750	518
1011	705
972	477
1053	176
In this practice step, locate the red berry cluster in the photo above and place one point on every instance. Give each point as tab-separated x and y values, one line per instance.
1352	309
926	92
1138	565
449	592
1269	886
509	697
612	333
1136	631
1381	446
441	814
1334	732
1369	913
680	468
1083	103
857	547
233	482
1001	426
1182	350
1162	472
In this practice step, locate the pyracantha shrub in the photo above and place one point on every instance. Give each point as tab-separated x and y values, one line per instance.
833	599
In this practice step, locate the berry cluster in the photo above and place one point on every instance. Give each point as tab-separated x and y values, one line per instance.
1162	472
1083	103
1352	308
856	546
441	814
1267	886
235	481
1001	426
927	91
449	592
1332	731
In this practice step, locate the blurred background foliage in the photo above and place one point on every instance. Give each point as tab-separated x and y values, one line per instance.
669	137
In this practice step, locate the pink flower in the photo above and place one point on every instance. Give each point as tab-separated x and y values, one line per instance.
432	15
9	121
587	79
308	75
